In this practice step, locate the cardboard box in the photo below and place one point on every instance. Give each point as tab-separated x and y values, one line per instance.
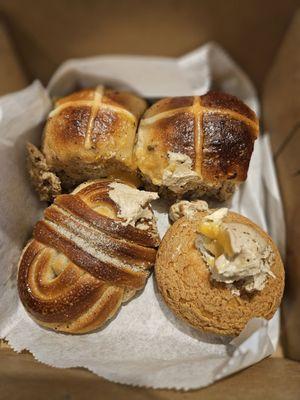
40	39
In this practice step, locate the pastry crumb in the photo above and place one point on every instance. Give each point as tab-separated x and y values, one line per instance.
45	182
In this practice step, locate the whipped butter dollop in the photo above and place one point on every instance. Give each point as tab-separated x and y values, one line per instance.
132	204
185	208
179	174
236	254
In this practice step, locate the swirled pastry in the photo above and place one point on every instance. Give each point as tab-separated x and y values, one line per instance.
196	146
90	134
90	253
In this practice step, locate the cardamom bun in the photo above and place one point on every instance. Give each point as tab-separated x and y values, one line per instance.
86	258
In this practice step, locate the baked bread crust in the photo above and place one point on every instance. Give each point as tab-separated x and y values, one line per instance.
183	279
82	262
215	131
44	181
91	133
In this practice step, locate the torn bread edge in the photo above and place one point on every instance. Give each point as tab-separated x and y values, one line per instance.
46	183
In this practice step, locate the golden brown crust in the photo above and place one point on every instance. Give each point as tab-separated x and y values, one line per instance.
184	282
227	148
91	133
81	205
81	265
225	101
216	131
169	104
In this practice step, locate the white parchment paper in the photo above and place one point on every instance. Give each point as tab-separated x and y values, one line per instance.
145	344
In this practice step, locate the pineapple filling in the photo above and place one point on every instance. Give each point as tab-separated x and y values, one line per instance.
234	253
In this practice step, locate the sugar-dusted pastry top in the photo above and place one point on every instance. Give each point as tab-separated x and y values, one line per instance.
200	143
87	256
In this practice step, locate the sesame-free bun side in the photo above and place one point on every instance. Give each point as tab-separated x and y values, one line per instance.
183	279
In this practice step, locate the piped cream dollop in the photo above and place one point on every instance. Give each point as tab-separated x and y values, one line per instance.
132	204
179	175
186	209
235	253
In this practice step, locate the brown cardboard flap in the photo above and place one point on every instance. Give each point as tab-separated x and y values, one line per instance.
48	32
12	76
21	377
281	109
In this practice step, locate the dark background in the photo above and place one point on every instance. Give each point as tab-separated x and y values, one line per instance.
45	33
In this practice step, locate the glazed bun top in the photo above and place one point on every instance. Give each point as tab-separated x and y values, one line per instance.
214	133
91	134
